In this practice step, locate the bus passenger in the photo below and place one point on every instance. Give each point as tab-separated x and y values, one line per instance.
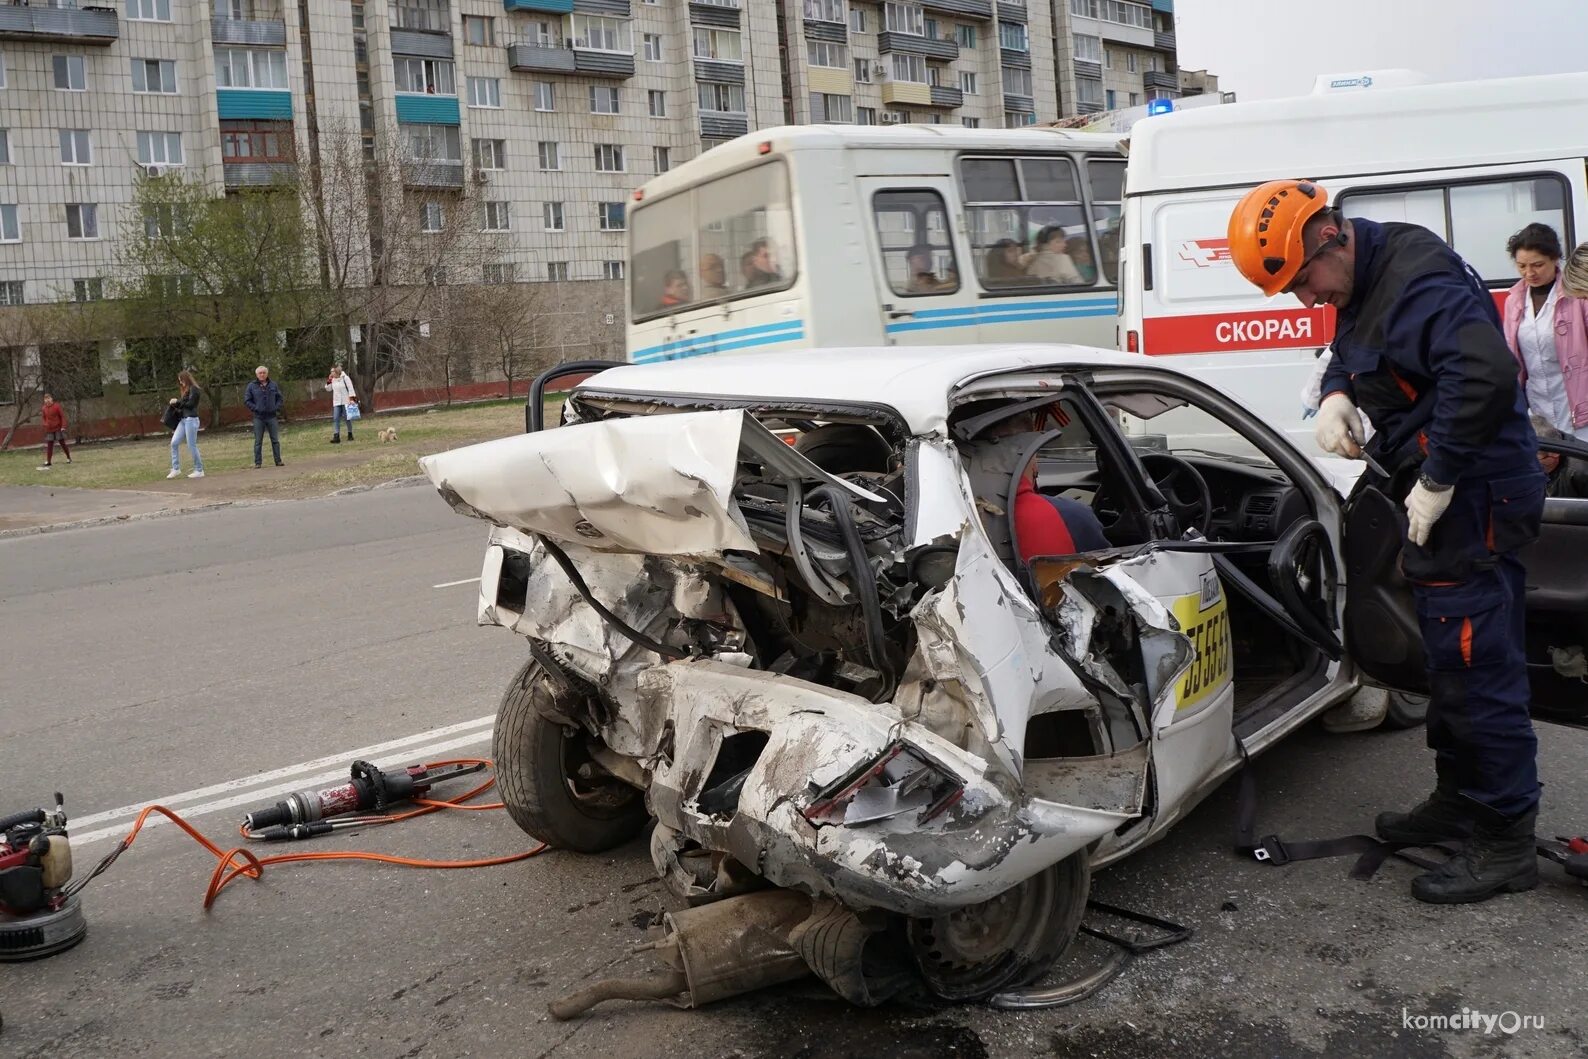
713	277
1005	263
759	265
1052	261
923	274
675	289
1080	251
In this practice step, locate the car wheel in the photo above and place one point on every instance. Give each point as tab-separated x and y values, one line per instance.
1010	941
548	781
1405	711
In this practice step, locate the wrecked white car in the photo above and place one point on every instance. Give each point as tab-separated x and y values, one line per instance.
775	603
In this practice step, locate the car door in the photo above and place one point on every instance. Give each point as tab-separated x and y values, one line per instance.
1381	630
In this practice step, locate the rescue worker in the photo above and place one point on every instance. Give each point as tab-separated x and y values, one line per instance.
1419	348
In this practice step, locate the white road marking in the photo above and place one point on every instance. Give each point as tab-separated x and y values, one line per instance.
449	584
262	786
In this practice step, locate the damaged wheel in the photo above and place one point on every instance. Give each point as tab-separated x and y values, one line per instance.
1007	942
549	783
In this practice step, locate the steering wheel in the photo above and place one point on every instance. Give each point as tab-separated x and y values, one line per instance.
1181	484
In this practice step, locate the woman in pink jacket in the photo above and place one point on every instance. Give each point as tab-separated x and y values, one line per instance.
1547	330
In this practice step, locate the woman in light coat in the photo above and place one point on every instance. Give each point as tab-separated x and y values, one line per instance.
341	386
1052	260
1547	330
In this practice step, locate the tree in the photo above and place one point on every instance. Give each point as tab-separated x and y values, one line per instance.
21	382
503	324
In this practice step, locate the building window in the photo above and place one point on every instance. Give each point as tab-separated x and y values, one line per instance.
496	217
479	30
970	123
159	222
1162	93
432	15
545	95
723	98
1108	99
656	101
160	148
550	155
498	274
1017	82
257	68
435	276
966	35
551	216
824	11
10	230
610	215
594	33
556	271
909	68
75	147
719	45
831	110
857	20
609	158
1130	62
82	220
543	34
653	47
904	18
1118	11
967	82
149	10
664	158
1018	119
604	99
1152	63
862	71
433	143
1108	58
421	76
865	115
88	290
1089	48
1135	98
70	73
490	154
11	292
825	53
895	117
248	141
485	92
5	146
612	269
1012	35
432	218
734	4
1088	90
154	75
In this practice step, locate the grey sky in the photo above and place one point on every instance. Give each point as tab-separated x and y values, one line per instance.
1265	48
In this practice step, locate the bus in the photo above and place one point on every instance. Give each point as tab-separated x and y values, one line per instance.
833	235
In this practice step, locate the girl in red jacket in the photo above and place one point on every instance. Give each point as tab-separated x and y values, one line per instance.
54	418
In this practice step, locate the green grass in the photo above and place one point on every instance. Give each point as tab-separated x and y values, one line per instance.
312	464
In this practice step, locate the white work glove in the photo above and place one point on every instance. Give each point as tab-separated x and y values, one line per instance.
1340	427
1423	508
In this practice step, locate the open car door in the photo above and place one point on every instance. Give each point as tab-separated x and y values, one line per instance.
1381	631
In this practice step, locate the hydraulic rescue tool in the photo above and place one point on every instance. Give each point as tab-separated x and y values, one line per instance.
305	814
39	913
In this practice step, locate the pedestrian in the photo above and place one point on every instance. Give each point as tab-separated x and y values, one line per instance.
341	386
1418	345
53	416
1547	330
187	426
1574	277
263	398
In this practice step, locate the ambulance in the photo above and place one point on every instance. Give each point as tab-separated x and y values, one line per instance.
1472	161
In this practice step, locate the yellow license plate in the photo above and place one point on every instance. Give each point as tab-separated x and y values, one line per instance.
1208	626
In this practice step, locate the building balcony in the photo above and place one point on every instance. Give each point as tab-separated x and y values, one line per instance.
1087	68
1012	12
906	94
253	104
1088	108
1164	42
1014	57
545	7
1139	36
714	15
259	174
831	32
539	58
1024	104
970	10
906	44
609	64
1159	79
943	96
723	73
723	125
269	33
69	25
433	174
414	109
423	43
610	8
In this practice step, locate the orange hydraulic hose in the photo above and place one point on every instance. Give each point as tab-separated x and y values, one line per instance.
228	867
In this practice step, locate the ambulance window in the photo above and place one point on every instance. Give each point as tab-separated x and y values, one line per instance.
912	233
1027	224
1423	206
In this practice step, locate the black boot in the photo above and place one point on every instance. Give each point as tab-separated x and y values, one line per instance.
1442	816
1500	857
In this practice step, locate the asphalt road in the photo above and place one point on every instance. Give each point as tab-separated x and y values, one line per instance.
223	653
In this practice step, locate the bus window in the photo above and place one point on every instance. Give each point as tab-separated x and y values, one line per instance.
726	238
1025	215
1106	180
912	231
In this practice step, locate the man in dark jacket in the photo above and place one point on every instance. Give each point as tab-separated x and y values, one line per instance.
1418	346
264	399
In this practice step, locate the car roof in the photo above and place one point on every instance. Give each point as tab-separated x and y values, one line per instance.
912	382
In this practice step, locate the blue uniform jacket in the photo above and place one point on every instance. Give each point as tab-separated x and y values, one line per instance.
1420	321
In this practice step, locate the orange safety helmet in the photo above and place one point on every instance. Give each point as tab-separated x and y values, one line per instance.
1265	231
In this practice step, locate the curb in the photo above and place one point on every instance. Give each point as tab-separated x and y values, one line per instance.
395	483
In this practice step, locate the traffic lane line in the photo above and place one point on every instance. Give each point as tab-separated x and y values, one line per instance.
449	584
292	777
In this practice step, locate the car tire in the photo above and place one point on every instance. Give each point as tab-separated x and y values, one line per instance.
844	448
538	774
1405	711
1034	923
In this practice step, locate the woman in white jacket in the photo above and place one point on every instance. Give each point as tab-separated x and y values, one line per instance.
342	395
